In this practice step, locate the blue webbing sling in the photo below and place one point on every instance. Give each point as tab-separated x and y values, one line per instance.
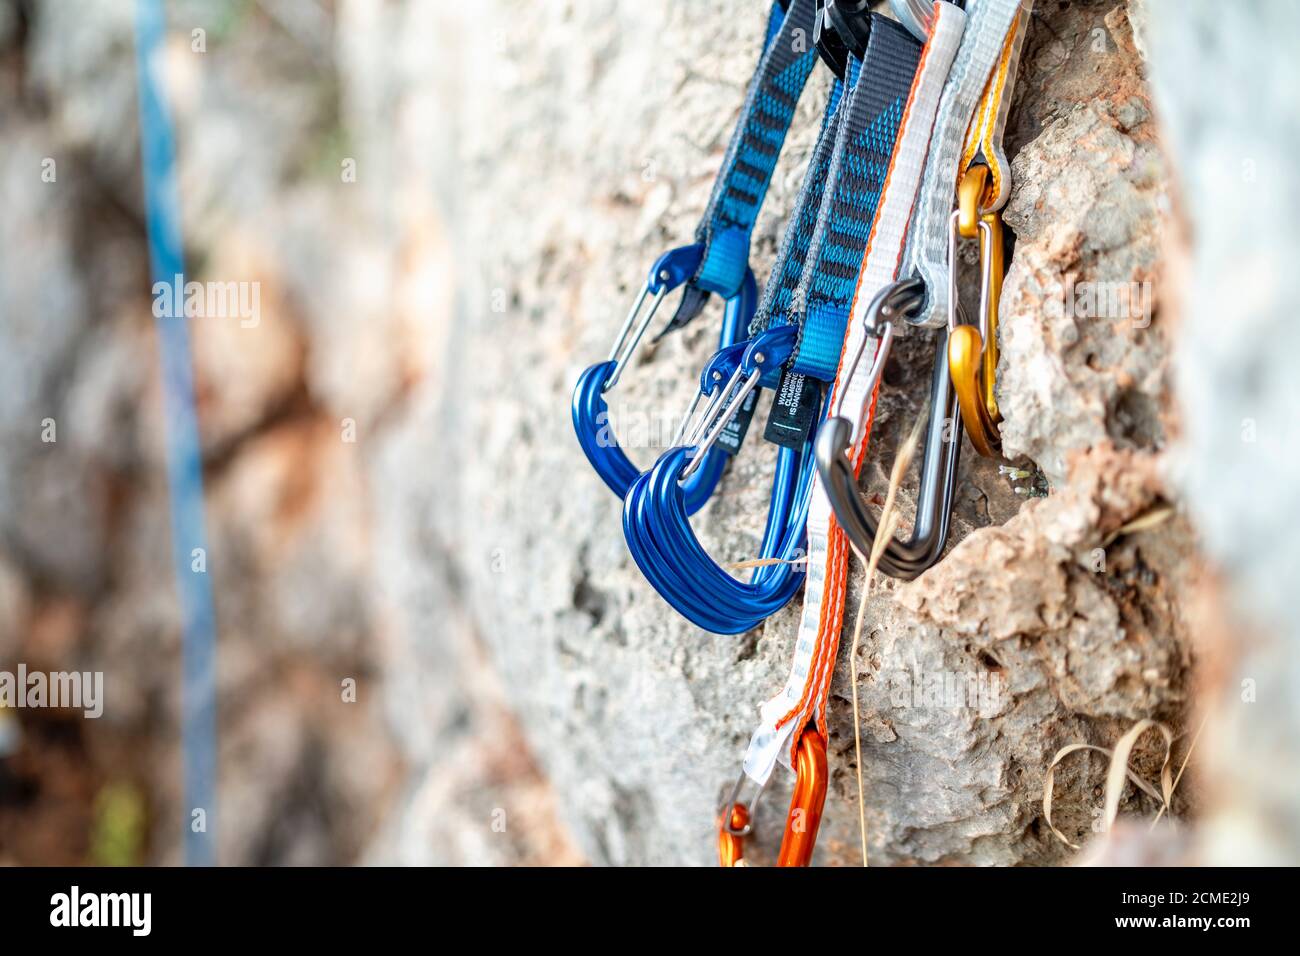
738	192
856	179
787	271
817	296
867	121
827	231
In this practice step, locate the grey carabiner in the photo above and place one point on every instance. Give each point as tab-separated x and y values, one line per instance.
836	439
896	301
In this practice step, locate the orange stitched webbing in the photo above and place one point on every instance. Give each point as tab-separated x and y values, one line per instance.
832	611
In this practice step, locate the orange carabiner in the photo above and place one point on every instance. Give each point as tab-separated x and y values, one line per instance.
736	821
807	802
731	839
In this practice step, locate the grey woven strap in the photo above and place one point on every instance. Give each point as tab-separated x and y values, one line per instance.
927	250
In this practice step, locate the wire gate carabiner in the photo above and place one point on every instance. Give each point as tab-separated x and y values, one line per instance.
670	271
839	438
802	820
656	521
982	189
757	363
718	261
940	455
590	411
736	822
802	319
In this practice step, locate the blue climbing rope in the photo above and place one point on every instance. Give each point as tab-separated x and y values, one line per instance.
184	453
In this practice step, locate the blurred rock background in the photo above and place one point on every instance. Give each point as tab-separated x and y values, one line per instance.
524	696
320	571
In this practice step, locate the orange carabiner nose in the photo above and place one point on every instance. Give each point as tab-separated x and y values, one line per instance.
806	805
731	840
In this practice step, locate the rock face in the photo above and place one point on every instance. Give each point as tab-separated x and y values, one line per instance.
459	558
317	579
576	176
84	532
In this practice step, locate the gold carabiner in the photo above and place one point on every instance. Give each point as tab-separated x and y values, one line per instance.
973	349
971	199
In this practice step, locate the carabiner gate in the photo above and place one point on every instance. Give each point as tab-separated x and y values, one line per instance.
767	351
837	439
894	301
973	349
590	411
672	269
736	821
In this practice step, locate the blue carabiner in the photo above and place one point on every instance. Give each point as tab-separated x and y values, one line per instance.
590	411
656	518
718	262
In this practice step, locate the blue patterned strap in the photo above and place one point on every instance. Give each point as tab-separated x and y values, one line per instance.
856	177
788	269
738	192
